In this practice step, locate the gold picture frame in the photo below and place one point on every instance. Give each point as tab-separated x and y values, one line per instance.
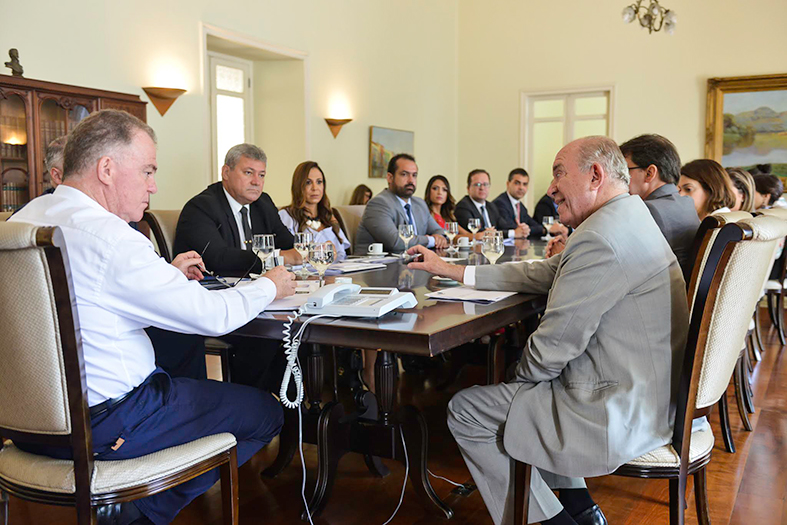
751	137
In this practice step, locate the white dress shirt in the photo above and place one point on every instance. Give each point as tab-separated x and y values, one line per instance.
235	206
122	286
430	240
487	223
324	235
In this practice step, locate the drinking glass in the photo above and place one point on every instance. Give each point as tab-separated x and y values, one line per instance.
451	231
302	242
406	232
262	245
321	256
474	225
547	221
493	248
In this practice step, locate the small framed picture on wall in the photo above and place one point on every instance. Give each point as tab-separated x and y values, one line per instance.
746	122
384	143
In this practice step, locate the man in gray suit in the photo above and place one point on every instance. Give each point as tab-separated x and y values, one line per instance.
595	385
654	167
395	206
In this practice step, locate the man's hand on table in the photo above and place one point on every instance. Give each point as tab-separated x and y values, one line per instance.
440	242
555	246
190	263
432	263
284	281
522	231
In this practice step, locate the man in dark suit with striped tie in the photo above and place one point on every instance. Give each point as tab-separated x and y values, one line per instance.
512	212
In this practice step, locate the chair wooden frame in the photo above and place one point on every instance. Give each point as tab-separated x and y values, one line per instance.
699	329
80	440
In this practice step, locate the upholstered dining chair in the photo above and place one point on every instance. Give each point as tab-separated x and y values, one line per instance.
44	396
350	218
162	224
774	288
730	283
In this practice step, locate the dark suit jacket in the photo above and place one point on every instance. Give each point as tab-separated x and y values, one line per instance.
544	208
677	219
466	210
508	218
207	217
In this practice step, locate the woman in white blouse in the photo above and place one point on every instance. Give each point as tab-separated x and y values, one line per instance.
310	208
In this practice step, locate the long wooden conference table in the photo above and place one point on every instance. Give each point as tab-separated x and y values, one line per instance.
377	427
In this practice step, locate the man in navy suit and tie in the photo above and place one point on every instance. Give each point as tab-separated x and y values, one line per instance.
512	212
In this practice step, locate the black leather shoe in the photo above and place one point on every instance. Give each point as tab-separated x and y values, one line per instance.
121	514
591	516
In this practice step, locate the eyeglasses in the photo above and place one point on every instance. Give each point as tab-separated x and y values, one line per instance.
480	184
222	280
637	168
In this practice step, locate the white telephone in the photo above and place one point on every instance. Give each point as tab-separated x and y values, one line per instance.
346	299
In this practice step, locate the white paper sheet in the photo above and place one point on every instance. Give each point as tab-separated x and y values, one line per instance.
465	293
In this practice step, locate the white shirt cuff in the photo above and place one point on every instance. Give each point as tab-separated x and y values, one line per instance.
430	242
469	276
511	234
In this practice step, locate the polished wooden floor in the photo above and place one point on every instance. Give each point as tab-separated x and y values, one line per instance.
748	487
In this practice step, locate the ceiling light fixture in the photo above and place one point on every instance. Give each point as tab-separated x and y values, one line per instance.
652	17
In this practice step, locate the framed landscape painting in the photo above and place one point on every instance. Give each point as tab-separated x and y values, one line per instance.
747	122
384	143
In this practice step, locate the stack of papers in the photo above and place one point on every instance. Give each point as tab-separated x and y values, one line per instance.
349	267
376	259
467	294
453	259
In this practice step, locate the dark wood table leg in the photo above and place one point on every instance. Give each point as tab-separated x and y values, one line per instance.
315	373
416	438
496	360
332	444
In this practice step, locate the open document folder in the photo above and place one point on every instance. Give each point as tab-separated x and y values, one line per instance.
467	294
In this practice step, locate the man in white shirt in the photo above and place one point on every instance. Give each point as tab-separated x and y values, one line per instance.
122	286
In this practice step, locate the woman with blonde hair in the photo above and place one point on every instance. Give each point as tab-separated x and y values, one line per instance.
743	185
310	208
709	185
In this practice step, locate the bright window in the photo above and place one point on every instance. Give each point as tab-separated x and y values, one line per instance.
230	105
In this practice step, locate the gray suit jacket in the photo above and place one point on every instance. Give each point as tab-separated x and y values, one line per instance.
381	220
677	219
598	376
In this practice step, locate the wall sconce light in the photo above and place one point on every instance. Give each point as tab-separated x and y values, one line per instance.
163	98
335	124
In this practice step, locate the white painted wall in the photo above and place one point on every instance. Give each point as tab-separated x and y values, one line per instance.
394	62
509	46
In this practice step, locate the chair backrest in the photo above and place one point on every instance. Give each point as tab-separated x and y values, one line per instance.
727	292
351	217
163	224
41	383
781	260
4	215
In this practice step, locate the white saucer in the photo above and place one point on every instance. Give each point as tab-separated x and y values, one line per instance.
381	254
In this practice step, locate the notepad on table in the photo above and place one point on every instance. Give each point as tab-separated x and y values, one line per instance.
467	294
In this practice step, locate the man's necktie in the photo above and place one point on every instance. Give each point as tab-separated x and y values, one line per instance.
486	217
244	219
518	212
409	215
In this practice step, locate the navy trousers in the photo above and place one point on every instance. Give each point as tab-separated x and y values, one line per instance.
164	412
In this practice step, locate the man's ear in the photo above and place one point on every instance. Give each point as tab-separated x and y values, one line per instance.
104	170
56	175
597	176
651	173
390	177
224	171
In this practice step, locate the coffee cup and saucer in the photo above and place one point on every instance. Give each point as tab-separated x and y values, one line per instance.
376	250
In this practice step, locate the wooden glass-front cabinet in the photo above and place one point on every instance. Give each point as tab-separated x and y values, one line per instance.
32	114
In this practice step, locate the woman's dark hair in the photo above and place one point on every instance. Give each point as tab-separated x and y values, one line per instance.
296	207
770	185
447	209
359	194
714	180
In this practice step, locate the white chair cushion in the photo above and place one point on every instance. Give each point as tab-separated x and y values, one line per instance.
772	284
57	475
666	456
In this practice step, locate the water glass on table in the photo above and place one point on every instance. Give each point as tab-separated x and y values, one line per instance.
321	256
302	242
474	225
547	221
406	232
262	245
451	231
493	247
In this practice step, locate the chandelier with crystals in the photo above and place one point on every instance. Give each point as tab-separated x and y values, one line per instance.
652	17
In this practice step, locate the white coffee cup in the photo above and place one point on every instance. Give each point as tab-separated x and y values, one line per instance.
463	241
375	248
